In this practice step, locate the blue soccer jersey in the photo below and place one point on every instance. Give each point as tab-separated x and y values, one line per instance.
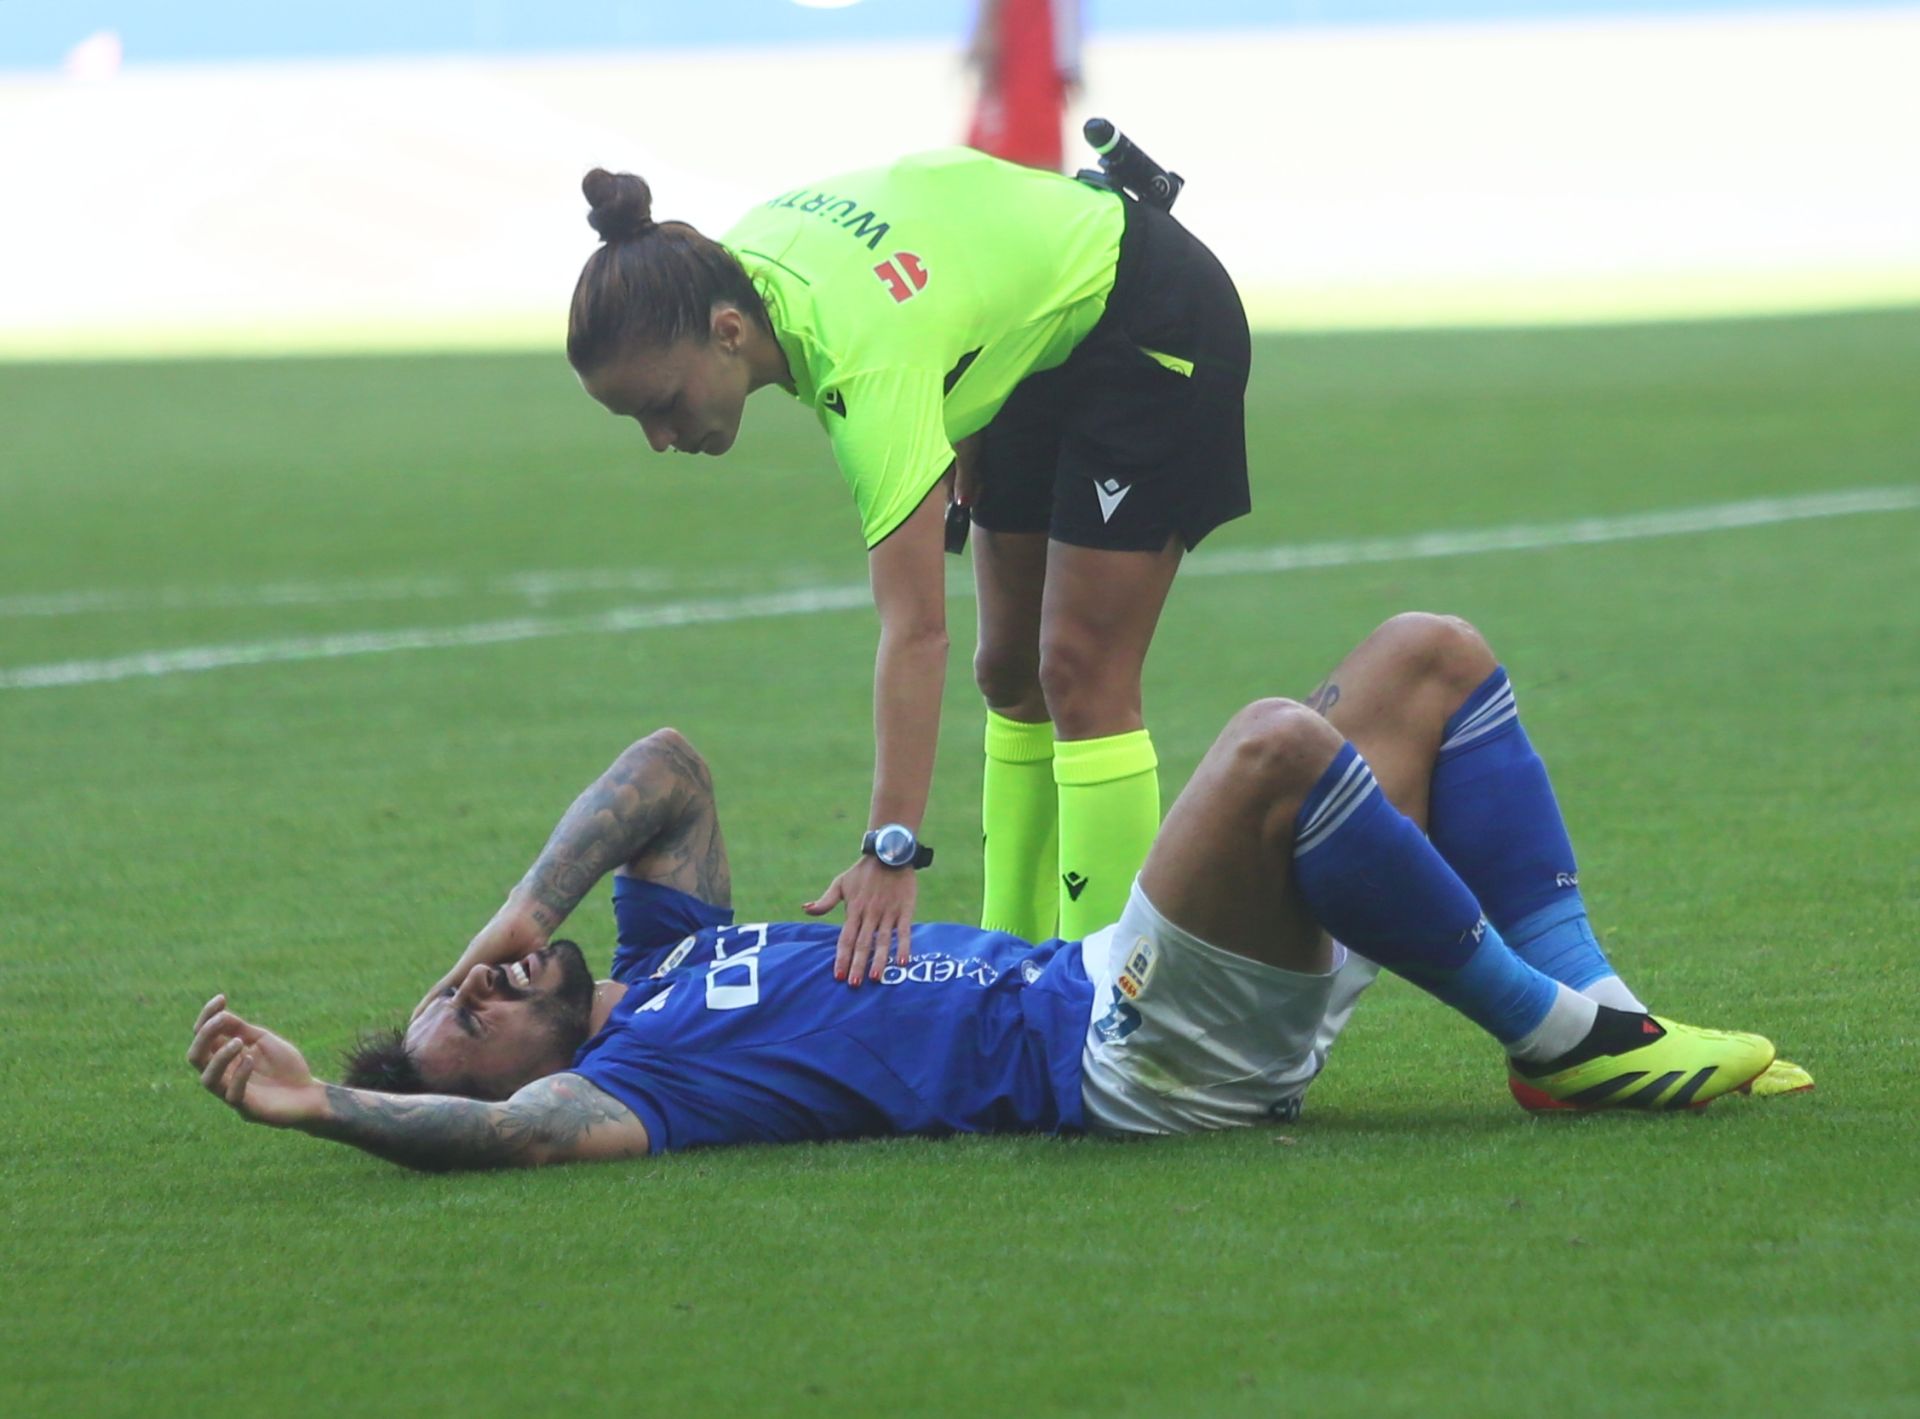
740	1034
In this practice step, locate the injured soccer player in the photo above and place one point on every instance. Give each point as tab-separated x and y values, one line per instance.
1398	818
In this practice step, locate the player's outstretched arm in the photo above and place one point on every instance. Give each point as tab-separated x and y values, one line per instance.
651	812
559	1119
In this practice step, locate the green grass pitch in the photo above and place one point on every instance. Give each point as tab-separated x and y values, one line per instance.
1730	717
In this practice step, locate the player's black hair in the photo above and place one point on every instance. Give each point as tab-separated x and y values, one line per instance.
650	283
379	1060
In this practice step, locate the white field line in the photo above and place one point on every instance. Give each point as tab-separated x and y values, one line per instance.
1719	517
810	601
333	647
535	587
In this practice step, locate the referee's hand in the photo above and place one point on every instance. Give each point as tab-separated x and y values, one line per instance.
879	925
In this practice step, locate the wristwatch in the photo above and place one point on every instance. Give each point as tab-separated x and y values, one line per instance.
896	846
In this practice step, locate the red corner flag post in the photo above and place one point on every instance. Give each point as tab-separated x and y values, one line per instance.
1028	54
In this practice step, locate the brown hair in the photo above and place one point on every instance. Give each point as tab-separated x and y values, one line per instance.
651	283
379	1059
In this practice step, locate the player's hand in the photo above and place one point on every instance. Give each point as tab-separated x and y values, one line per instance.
879	925
508	937
260	1076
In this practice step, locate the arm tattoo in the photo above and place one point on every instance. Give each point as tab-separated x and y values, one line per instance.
1322	700
656	800
546	1121
690	854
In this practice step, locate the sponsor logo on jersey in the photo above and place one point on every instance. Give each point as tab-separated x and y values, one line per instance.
1137	970
843	212
1111	493
1475	933
903	274
1566	879
1075	885
657	1002
837	402
937	968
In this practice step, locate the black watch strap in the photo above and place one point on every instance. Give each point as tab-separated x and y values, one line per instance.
922	854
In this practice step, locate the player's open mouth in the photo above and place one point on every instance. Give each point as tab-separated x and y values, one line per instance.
520	974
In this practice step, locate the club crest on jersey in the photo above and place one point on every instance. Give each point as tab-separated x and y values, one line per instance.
903	275
1137	970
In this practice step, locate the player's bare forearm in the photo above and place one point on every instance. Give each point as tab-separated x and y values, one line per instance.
653	804
549	1121
652	812
431	1132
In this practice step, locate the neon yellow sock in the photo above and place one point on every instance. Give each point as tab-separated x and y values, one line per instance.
1109	812
1021	844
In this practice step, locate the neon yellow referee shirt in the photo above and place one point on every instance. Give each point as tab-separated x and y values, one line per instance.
911	299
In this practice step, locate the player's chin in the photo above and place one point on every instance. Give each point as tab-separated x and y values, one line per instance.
719	441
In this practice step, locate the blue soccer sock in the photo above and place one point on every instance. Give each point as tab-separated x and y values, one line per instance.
1370	877
1492	815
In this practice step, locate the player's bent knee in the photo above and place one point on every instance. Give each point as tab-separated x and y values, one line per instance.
1426	646
1279	746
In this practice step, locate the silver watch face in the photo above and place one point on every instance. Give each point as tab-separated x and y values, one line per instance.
894	845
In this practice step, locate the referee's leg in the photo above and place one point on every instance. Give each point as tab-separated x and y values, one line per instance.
1019	829
1098	616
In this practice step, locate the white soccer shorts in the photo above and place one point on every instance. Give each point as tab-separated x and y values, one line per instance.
1186	1037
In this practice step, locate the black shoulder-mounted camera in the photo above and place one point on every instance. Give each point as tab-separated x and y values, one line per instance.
1124	166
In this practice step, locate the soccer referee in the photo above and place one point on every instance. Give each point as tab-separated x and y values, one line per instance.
1080	359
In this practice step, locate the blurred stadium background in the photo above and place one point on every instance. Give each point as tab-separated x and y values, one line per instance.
301	654
227	176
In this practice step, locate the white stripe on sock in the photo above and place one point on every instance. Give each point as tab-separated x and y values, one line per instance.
1489	717
1360	792
1336	794
1480	733
1497	700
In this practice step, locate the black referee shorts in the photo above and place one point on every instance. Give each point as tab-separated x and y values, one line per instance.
1141	433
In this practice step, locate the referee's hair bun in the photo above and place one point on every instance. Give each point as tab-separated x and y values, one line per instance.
622	204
